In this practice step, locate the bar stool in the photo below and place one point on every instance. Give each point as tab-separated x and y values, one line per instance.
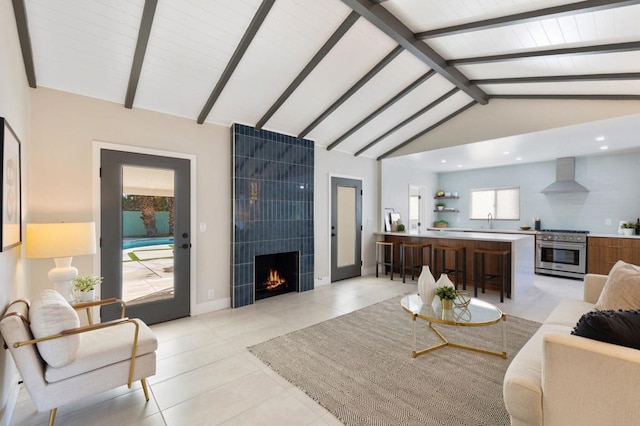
384	247
459	253
499	277
413	248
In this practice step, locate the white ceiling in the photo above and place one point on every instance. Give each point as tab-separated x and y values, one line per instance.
87	47
595	138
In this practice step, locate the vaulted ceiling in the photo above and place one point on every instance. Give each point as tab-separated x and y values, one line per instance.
361	76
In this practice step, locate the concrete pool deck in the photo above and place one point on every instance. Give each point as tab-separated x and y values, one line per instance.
150	277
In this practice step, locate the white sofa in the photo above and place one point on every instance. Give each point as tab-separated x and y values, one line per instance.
561	379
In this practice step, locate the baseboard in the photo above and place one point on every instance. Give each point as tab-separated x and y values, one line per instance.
322	281
12	399
214	305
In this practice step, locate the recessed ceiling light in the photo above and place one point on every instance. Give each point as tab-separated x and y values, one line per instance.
506	153
459	165
518	158
603	147
443	161
600	138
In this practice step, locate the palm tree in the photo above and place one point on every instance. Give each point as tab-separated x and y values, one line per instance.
147	214
172	213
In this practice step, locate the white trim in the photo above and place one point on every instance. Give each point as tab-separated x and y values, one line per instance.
215	305
99	145
12	399
361	180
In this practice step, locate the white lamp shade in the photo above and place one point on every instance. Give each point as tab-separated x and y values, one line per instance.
56	240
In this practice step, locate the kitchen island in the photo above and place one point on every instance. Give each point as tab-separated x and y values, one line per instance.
522	246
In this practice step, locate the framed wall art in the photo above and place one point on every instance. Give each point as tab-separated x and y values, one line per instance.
11	231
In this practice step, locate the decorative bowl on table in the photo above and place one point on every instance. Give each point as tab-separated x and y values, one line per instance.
525	227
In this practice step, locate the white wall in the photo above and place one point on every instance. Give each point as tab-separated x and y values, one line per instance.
508	117
396	179
334	163
64	127
609	178
14	107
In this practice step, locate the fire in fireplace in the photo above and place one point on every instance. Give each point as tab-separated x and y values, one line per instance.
275	274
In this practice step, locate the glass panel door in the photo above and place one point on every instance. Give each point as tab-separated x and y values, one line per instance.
148	214
145	235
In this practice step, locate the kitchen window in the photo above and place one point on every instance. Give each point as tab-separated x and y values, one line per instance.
500	203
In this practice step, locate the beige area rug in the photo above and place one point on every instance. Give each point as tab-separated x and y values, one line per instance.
359	367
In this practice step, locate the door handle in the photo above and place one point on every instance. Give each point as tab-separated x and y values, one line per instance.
186	245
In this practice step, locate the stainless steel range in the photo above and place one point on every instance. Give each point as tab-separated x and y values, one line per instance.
561	252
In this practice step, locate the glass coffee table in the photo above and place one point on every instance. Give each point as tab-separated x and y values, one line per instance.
477	313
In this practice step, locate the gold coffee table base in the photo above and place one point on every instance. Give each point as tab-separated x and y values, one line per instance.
446	342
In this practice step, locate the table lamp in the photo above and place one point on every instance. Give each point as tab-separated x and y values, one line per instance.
61	241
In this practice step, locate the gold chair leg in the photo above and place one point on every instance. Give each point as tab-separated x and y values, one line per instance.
52	416
145	389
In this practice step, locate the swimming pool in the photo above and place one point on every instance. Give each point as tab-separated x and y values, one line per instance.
128	243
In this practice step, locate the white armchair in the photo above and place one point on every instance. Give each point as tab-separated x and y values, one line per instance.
61	362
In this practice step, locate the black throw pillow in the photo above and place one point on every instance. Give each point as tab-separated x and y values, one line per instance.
616	327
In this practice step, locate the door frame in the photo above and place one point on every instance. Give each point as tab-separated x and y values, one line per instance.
362	180
97	146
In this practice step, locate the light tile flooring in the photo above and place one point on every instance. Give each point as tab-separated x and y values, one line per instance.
206	375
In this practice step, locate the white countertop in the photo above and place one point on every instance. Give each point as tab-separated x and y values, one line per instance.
456	235
614	236
489	231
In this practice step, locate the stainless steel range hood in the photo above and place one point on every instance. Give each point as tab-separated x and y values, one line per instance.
565	178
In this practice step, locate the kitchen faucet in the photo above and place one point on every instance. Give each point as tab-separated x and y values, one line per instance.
490	220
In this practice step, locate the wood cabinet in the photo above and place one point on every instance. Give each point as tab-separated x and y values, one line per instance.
604	252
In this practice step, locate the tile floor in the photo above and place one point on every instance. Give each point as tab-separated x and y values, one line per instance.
206	376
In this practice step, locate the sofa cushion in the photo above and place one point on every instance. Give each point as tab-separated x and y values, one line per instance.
616	327
50	314
568	312
105	346
622	289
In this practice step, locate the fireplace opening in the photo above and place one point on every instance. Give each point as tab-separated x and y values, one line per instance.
275	274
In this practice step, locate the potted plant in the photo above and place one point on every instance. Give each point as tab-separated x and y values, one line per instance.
400	227
628	228
441	223
440	206
447	295
86	286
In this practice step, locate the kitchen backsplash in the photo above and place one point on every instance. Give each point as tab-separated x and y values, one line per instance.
611	180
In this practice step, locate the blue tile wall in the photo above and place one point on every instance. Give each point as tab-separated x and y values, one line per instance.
272	204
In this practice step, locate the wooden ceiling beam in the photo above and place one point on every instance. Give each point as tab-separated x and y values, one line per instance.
408	120
531	16
584	50
241	49
570	97
20	13
353	89
317	58
560	78
382	108
427	130
394	28
146	22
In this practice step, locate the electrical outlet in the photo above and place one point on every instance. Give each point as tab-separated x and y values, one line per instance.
211	294
607	222
203	227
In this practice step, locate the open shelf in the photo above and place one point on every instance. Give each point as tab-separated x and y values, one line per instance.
447	211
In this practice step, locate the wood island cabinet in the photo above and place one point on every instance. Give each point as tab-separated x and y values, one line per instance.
604	252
